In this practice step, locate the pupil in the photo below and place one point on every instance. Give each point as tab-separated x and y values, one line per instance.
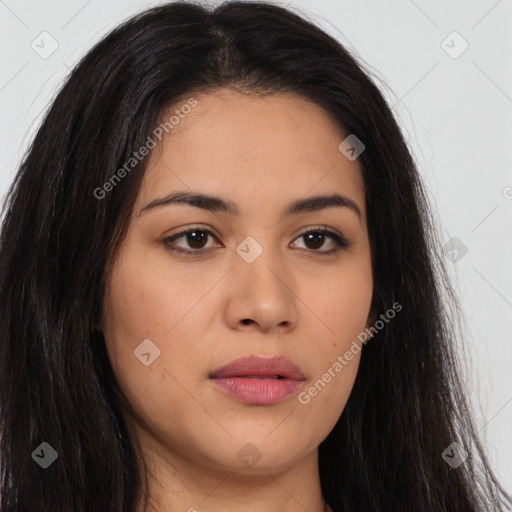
199	236
316	238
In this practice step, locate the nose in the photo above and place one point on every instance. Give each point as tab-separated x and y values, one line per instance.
262	295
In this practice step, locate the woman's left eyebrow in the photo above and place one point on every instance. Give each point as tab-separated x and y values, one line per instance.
218	204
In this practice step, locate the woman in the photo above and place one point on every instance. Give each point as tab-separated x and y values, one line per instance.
218	286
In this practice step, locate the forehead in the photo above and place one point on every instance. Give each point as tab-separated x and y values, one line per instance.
251	149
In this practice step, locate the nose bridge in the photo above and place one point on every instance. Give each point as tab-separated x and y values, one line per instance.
261	262
264	290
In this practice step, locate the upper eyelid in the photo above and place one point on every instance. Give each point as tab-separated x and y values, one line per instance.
188	229
316	227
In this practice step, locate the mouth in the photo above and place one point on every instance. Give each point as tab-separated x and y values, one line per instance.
277	367
258	380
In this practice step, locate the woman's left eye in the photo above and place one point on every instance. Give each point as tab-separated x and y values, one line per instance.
196	240
317	238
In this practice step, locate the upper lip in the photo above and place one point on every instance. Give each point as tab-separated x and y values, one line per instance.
257	366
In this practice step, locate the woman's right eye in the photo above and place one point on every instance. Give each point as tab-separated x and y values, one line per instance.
195	238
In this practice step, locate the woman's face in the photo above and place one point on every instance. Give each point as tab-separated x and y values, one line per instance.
258	286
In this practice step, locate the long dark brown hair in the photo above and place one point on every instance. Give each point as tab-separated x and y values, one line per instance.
58	239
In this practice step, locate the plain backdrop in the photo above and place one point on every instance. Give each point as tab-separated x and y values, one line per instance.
448	70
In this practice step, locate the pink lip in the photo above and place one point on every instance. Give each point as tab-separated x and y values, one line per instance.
254	379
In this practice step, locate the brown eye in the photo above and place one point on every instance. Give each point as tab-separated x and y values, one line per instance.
314	239
195	241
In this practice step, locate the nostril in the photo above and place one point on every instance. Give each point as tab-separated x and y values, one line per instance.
246	321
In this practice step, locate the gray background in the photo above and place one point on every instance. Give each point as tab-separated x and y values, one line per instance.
455	109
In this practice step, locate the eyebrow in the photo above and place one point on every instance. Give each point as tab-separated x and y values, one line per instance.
218	204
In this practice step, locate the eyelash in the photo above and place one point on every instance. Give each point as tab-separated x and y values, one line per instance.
340	241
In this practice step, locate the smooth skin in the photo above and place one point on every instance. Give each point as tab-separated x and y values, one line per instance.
203	311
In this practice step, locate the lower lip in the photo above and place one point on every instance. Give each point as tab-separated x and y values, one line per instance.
257	391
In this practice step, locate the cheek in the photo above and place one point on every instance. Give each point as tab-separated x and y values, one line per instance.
149	298
152	301
342	307
335	357
142	307
322	402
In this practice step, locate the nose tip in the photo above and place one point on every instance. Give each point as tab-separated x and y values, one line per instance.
259	296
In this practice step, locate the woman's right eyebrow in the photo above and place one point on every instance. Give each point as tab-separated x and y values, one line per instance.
218	204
